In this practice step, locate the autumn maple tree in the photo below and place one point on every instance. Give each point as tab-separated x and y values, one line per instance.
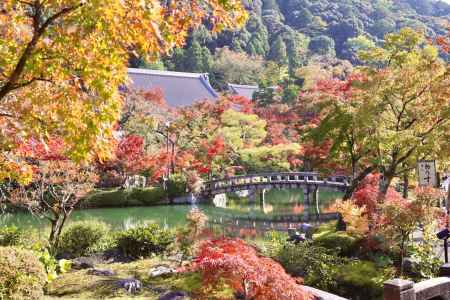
391	112
129	159
251	276
57	187
61	63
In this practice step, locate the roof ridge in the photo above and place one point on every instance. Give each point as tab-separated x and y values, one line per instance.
243	85
165	73
205	80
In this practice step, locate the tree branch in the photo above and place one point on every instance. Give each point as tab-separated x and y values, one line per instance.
26	83
5	114
11	83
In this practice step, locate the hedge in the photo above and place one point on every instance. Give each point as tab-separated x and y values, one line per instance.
126	198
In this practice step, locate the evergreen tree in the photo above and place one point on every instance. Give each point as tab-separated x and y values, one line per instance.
322	45
197	59
278	51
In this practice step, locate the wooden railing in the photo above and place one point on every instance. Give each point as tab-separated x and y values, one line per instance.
267	180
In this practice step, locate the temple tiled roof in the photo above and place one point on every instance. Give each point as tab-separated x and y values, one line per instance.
180	89
243	90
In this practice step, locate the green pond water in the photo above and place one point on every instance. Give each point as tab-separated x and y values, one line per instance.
278	202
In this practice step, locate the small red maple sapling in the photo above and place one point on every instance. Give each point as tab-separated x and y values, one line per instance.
238	265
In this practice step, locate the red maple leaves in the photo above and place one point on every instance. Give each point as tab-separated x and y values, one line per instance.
233	262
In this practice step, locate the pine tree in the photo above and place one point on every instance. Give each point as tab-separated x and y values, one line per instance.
278	51
197	58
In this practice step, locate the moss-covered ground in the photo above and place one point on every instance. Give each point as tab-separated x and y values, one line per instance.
78	284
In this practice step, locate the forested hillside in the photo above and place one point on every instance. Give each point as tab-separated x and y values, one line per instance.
292	32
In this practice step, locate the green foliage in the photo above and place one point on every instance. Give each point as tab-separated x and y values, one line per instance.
125	198
317	265
322	45
84	238
362	280
278	51
258	43
52	266
273	243
383	26
10	236
240	129
357	44
22	276
144	240
340	242
198	59
272	26
235	67
427	263
268	158
176	186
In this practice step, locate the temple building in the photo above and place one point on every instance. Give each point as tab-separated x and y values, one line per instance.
179	88
242	90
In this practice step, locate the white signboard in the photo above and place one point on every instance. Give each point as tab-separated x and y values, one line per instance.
427	173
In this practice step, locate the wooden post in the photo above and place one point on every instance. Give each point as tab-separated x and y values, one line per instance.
316	200
448	200
262	199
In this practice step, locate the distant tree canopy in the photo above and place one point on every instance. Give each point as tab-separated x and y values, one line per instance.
235	67
322	45
290	32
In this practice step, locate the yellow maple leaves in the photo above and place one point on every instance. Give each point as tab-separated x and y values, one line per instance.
62	62
354	216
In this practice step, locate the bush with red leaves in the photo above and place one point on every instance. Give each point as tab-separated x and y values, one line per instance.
251	276
367	194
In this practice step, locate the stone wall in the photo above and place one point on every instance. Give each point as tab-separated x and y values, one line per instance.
432	289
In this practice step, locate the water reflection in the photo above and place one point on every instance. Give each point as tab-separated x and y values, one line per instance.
278	204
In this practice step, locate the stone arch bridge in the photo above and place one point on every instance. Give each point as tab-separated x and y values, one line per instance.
310	182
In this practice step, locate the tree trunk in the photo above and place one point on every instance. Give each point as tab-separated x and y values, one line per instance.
356	181
402	254
385	182
405	185
57	226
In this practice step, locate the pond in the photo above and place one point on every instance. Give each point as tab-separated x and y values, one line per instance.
277	203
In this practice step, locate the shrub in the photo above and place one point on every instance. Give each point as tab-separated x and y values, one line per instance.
233	263
22	276
354	216
427	262
126	198
362	280
274	241
52	266
146	196
144	241
83	238
176	187
10	236
340	242
318	266
327	227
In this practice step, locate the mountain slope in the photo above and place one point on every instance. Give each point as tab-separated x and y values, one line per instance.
291	32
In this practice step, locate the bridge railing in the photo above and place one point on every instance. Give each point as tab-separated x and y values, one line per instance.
308	178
